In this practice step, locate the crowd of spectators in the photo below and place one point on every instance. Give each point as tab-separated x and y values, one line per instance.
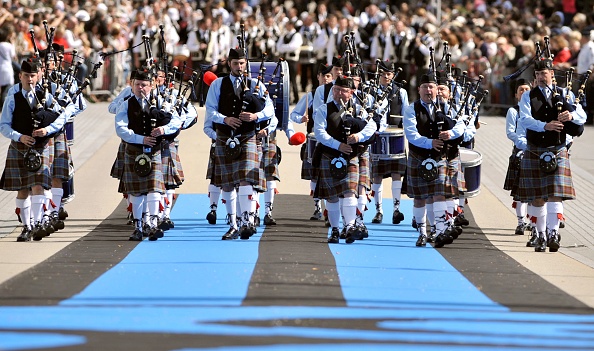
492	38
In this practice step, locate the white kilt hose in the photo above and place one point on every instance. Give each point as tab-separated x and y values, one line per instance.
245	168
536	184
448	183
173	173
133	184
327	187
17	177
117	169
61	165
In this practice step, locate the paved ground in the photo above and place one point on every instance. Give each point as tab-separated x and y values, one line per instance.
88	288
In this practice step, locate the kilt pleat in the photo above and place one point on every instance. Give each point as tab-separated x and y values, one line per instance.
536	184
117	169
171	165
327	187
16	177
270	161
62	159
448	183
132	183
245	168
385	168
210	168
365	170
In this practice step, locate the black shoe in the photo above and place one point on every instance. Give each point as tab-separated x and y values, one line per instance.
422	240
57	223
146	230
136	236
268	220
553	242
353	233
25	235
39	232
561	224
169	222
443	239
163	225
257	221
231	234
519	229
432	235
533	241
451	231
155	233
461	221
379	217
397	217
316	216
62	214
246	231
49	228
334	236
343	233
541	246
414	224
364	231
211	217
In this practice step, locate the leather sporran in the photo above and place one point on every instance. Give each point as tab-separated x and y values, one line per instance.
548	162
428	170
32	160
232	149
515	160
143	165
338	168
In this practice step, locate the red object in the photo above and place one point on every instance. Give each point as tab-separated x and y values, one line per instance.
209	77
297	139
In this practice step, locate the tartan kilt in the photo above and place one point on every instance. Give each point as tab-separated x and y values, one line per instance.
306	170
173	174
385	168
512	178
133	184
536	184
211	164
270	160
246	168
16	177
365	169
62	159
118	165
328	187
448	183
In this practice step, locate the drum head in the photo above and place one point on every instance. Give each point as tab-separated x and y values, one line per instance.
470	158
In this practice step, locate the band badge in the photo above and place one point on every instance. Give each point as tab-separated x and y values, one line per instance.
143	165
548	162
32	160
232	149
428	170
338	168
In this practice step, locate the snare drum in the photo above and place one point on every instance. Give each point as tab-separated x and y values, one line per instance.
69	128
310	146
277	85
388	145
471	166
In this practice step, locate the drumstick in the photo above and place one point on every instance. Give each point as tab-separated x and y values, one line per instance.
481	122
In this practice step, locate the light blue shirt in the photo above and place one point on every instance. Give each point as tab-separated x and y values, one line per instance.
322	135
514	129
318	99
414	137
301	107
8	112
124	95
529	122
128	135
214	93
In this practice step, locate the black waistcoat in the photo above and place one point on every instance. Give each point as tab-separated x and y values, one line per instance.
230	105
395	101
426	126
542	111
139	120
22	118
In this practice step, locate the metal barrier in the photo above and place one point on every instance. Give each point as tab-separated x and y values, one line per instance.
108	76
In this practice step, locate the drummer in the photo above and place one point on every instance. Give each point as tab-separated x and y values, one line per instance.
395	168
303	113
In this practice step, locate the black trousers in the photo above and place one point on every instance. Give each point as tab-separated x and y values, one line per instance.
293	78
